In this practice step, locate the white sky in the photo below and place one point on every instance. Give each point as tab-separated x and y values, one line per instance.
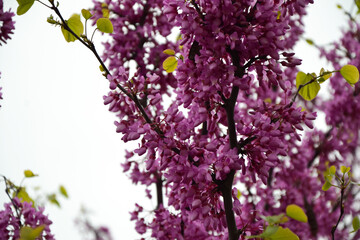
53	120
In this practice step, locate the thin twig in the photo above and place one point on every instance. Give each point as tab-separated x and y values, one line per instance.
341	213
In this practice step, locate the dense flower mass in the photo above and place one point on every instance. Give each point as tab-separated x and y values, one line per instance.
232	111
6	24
208	91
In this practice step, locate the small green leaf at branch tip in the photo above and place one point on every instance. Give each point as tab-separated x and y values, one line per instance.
24	6
169	52
52	199
170	64
344	169
28	233
86	14
350	73
309	41
276	219
357	2
105	10
63	191
75	24
104	25
356	224
326	186
296	212
332	170
309	91
269	231
29	174
325	74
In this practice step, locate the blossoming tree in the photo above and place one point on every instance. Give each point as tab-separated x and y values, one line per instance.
223	119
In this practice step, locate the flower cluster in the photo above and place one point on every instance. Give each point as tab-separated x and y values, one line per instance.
17	214
6	23
225	119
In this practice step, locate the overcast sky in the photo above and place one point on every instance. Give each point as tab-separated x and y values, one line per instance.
53	120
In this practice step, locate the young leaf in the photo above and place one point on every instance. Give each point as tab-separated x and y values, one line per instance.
52	199
356	224
332	170
63	191
238	194
344	169
326	186
75	25
105	10
296	212
269	231
357	2
170	64
276	219
29	174
28	233
24	196
350	73
86	14
309	41
284	234
104	25
169	52
324	75
309	91
24	6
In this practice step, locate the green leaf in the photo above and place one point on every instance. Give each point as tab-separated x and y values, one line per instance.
321	80
309	41
238	195
101	68
356	224
86	14
52	199
350	73
296	212
170	64
28	233
326	186
63	191
357	2
344	169
104	25
276	219
75	25
24	196
325	74
270	230
169	52
29	174
105	10
332	170
24	6
284	234
309	91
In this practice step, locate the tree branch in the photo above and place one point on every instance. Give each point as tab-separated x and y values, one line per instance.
341	213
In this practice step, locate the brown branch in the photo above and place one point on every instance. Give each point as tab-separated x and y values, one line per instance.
159	192
341	213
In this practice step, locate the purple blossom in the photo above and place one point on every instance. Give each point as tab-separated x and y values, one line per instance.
17	214
6	24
